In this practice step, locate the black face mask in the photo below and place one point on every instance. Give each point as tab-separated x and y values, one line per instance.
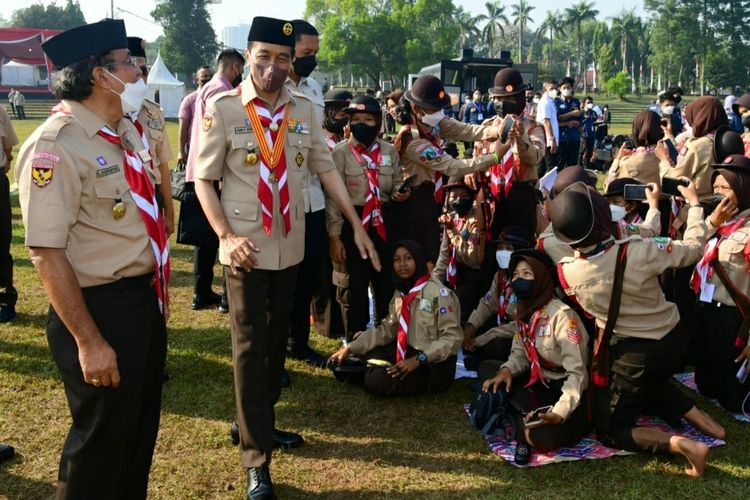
303	66
677	99
203	82
503	108
364	133
529	98
237	80
523	289
335	126
461	206
746	120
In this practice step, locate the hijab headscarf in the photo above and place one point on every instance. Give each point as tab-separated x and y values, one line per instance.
647	129
740	184
543	288
602	229
417	253
705	115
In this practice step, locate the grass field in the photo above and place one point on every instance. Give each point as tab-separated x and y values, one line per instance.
357	446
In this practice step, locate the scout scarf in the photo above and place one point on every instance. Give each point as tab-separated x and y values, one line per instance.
331	141
504	292
144	196
403	320
372	212
624	227
272	162
451	272
501	175
703	270
527	334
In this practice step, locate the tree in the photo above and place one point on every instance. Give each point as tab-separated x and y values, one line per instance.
189	40
521	16
606	62
575	16
493	29
625	29
468	25
619	85
49	17
555	26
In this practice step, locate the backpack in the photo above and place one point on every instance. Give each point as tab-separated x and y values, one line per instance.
489	414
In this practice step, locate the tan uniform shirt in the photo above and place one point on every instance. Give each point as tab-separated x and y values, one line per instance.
454	130
389	176
562	340
69	180
549	244
732	258
433	325
644	312
696	165
226	139
151	117
487	309
641	166
466	244
8	137
528	150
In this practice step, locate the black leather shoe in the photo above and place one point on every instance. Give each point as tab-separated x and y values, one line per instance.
234	433
7	313
259	485
283	439
311	357
285	380
223	304
203	302
6	452
523	453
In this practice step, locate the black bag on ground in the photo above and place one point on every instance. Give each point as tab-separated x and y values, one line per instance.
489	414
192	226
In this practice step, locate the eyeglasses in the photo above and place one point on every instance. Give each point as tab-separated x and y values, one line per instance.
129	61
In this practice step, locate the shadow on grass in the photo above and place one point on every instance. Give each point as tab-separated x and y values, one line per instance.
16	487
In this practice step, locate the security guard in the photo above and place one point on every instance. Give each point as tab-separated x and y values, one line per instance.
97	239
151	119
8	294
260	222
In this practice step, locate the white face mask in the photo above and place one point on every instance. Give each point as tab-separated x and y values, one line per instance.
567	92
536	100
503	258
589	106
667	110
133	95
552	93
618	212
433	119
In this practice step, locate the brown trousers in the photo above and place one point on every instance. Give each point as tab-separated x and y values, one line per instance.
260	303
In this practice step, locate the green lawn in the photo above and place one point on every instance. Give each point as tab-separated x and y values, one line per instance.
358	446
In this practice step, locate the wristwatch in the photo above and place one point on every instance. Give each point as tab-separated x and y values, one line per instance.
422	358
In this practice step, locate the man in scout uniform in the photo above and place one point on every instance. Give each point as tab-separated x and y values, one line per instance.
151	119
8	294
96	236
259	138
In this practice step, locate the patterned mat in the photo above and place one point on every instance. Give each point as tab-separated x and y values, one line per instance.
688	380
588	448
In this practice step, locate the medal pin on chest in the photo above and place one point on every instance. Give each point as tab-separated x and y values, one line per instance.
118	210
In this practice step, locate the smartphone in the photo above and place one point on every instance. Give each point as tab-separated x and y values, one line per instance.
404	187
742	372
669	185
534	418
507	127
635	192
713	201
673	154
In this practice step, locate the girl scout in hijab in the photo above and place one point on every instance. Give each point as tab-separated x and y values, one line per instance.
413	351
640	163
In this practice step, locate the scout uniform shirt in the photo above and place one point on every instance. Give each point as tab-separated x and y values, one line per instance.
528	150
466	244
151	118
562	344
644	312
228	149
389	175
642	165
549	244
488	309
433	324
732	258
696	164
454	130
8	137
69	181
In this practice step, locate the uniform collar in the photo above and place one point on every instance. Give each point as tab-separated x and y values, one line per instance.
90	121
302	82
248	93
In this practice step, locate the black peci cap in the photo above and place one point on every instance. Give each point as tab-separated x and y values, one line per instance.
137	46
81	42
271	30
428	92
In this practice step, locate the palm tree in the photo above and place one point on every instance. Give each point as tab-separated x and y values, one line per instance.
554	25
624	28
493	29
521	16
575	16
468	26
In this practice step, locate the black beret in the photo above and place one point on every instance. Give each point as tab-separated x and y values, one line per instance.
92	39
270	30
137	46
337	96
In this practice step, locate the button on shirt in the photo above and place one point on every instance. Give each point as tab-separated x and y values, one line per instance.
547	109
311	188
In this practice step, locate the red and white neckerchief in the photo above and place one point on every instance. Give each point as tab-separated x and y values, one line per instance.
372	212
624	226
438	177
144	196
527	332
331	141
501	175
403	320
272	160
451	272
703	270
504	292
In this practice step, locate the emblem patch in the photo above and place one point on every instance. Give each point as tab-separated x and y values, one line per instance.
41	175
299	159
208	120
101	161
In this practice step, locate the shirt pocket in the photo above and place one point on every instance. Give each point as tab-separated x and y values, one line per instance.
426	323
385	180
297	150
240	209
110	192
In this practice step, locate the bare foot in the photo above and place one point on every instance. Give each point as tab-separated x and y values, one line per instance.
695	452
705	423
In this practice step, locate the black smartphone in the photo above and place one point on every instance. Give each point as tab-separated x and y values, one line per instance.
535	419
669	185
404	187
672	150
507	127
635	192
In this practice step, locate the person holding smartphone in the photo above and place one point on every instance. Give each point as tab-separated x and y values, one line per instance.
639	163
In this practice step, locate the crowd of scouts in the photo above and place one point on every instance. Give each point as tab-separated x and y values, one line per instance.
589	302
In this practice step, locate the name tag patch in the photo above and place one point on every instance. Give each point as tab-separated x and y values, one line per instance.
243	130
103	172
425	305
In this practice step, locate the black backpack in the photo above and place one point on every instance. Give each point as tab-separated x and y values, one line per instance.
489	414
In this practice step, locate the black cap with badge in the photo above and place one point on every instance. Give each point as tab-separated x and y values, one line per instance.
81	42
271	30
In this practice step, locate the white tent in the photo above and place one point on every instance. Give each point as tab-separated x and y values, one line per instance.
171	90
18	75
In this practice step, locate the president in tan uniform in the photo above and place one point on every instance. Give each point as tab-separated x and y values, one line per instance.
259	138
79	176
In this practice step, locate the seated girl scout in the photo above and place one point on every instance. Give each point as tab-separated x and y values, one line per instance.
548	358
369	167
719	344
420	337
634	217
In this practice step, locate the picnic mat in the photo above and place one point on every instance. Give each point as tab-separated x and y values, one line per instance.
589	448
688	380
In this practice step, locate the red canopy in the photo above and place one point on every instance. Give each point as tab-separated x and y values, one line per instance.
24	45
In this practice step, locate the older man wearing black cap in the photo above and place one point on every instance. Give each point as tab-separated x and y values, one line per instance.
258	139
97	239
